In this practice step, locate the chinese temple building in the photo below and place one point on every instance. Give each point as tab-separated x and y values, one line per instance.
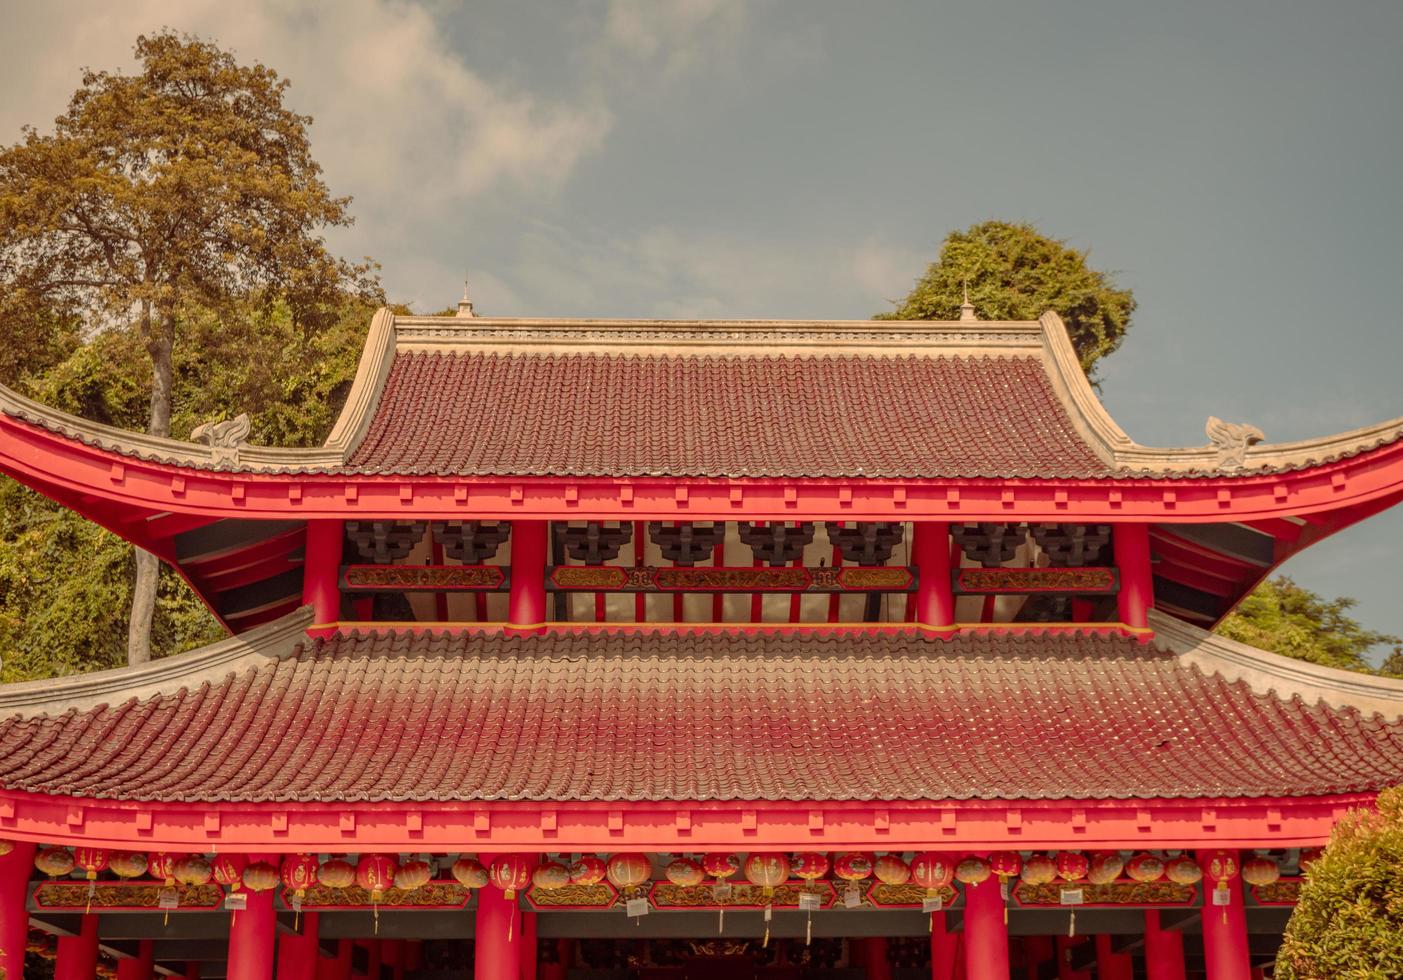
593	649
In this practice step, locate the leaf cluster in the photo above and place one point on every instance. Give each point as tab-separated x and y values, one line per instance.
1348	923
1014	272
1291	620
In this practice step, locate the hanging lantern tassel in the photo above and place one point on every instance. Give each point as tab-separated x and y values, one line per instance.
769	910
1072	924
92	890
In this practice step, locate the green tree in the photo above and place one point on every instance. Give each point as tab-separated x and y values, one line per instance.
1013	272
1348	923
186	183
1285	618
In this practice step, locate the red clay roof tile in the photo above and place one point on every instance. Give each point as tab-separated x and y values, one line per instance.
701	716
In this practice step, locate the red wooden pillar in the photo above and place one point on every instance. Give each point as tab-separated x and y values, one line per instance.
1225	952
526	604
192	970
321	570
528	945
14	919
141	966
1132	553
297	951
252	934
345	959
1038	950
498	935
930	554
1111	965
77	955
986	933
1164	950
944	947
564	952
1066	949
392	954
413	954
874	958
374	958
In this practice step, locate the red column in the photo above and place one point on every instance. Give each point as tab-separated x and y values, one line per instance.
1066	949
297	951
1132	552
14	919
944	945
1111	965
1164	950
192	970
986	933
1039	950
138	967
874	958
321	570
1225	952
526	604
392	952
561	967
374	957
251	935
498	933
413	954
930	554
528	945
77	955
345	959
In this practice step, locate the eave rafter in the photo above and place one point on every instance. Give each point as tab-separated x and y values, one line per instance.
626	825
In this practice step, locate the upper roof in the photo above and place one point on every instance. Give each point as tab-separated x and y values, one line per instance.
698	715
475	396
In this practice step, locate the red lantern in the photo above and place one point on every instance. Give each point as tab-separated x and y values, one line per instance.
510	873
260	876
933	871
1258	871
588	870
376	874
721	865
228	870
1039	869
336	873
1309	855
852	866
1072	865
127	864
1144	867
91	860
300	872
1183	870
684	872
1005	864
470	872
550	875
1220	867
1104	867
809	865
628	871
413	875
891	870
972	870
192	870
6	846
768	870
161	866
54	861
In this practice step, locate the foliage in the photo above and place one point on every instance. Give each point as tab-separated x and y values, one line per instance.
65	583
1348	922
1285	618
186	183
1013	272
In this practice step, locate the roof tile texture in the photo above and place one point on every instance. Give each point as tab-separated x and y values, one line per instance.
699	716
722	416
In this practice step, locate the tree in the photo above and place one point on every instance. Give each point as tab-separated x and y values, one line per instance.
1013	272
1285	618
1348	921
187	182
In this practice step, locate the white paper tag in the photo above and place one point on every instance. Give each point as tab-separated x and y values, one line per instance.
852	898
236	901
636	907
168	898
769	913
932	904
809	902
1072	896
1221	896
296	903
1003	889
721	893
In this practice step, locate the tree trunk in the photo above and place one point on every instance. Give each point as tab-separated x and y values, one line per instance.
160	340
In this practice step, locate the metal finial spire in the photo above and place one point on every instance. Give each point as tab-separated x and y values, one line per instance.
465	305
967	308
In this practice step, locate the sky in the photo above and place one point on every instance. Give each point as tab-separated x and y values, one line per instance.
1236	164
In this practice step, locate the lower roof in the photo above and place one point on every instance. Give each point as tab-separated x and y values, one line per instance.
699	716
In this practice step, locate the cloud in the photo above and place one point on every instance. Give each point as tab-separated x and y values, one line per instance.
672	36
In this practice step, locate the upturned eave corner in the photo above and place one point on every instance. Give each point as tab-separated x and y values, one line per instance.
366	387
